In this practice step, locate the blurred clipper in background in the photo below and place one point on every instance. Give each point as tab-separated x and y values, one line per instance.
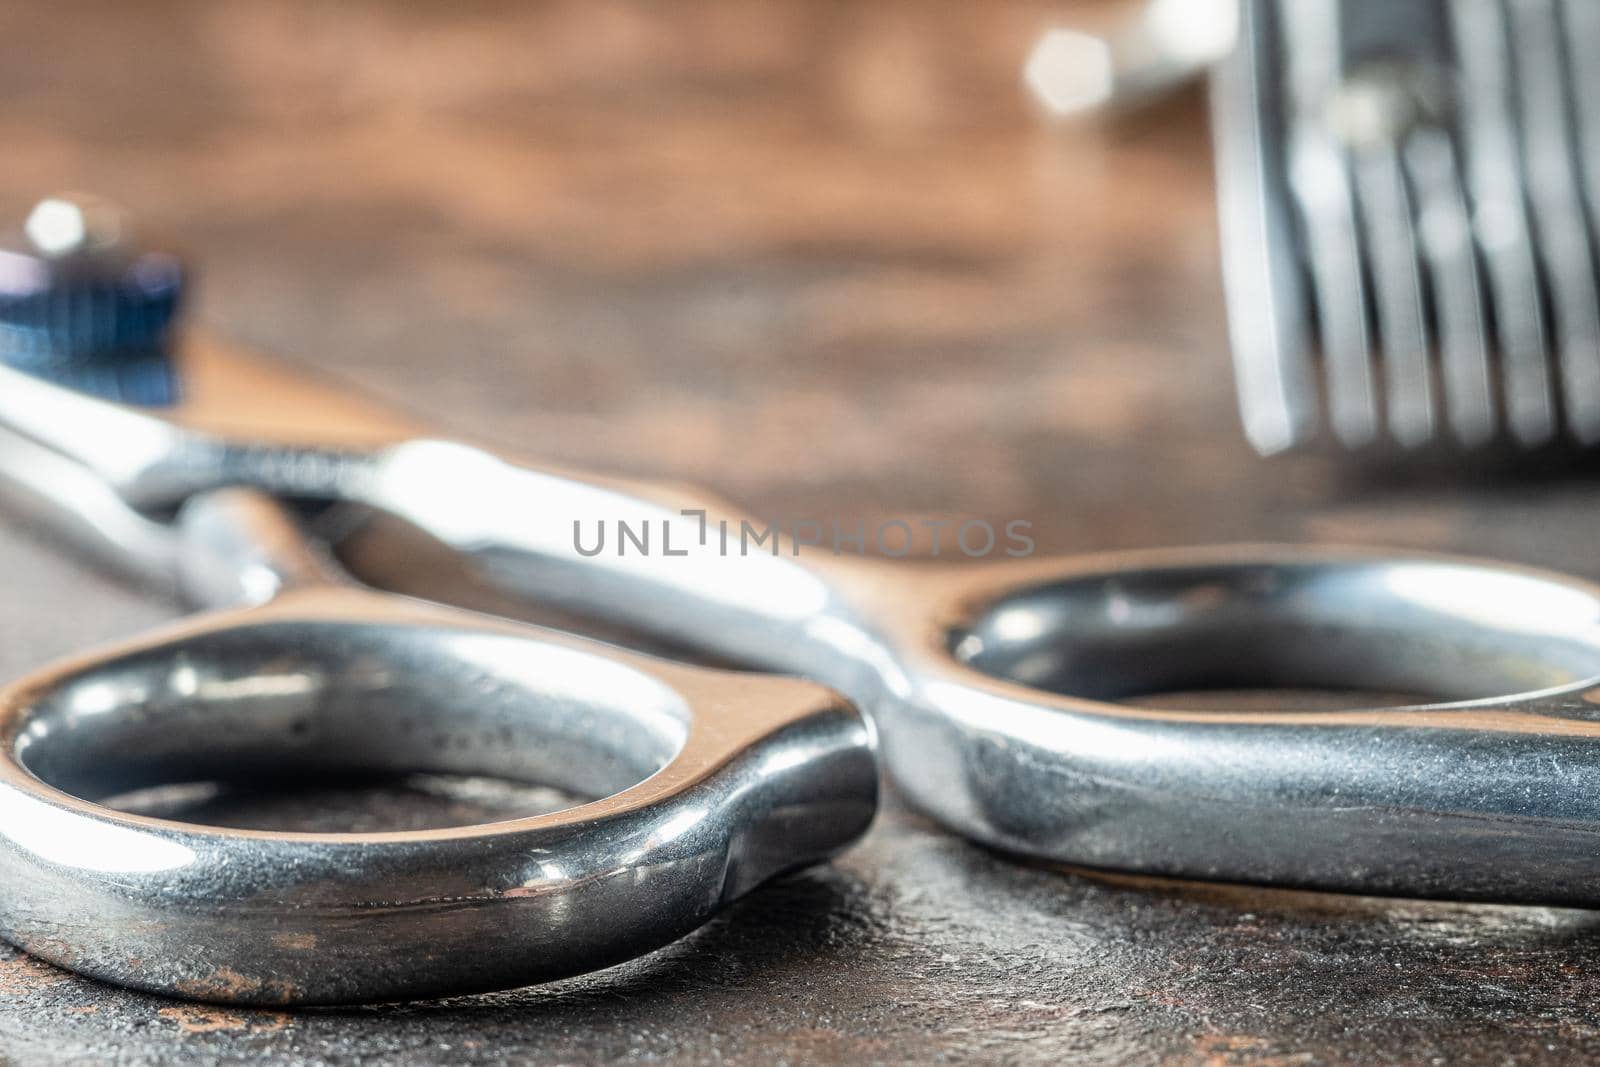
1409	194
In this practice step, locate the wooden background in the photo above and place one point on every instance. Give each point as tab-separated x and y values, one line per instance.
826	258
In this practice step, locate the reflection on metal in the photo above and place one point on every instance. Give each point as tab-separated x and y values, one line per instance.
1409	245
998	690
1410	205
707	783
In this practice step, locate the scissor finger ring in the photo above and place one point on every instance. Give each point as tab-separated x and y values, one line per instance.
708	783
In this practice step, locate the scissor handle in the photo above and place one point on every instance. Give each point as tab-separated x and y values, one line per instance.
708	783
1465	763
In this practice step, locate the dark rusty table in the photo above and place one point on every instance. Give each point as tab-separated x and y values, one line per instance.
824	257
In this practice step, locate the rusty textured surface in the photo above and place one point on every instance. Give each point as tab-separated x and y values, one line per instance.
824	258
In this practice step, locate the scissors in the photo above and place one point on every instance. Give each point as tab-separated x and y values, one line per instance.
701	784
1000	691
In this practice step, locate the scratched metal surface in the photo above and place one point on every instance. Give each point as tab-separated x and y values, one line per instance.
824	258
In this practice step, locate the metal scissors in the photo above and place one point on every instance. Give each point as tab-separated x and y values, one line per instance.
704	783
1000	691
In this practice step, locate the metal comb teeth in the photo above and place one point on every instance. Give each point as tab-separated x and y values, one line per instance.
1409	195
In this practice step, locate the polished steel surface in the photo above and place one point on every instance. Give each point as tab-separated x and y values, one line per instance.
1408	221
1269	327
1409	198
703	784
998	688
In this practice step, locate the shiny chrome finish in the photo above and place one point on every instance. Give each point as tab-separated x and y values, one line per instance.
1323	190
1398	276
1437	159
1269	327
1477	786
1497	188
705	784
1561	222
1409	196
999	689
